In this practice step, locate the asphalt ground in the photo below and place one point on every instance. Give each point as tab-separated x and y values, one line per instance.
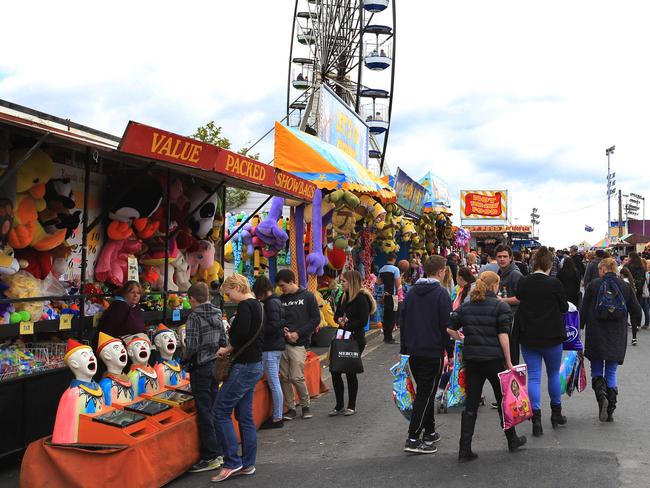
365	450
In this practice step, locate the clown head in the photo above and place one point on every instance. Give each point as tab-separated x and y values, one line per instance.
112	352
165	341
81	360
138	348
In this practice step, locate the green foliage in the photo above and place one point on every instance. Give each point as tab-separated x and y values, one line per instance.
210	133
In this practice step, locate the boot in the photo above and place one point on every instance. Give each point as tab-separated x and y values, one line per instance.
537	423
612	394
556	416
514	441
468	421
600	389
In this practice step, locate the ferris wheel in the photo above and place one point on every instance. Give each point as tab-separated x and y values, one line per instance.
348	46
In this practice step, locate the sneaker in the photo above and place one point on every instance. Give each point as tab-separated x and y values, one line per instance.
390	341
334	412
248	470
494	405
430	439
348	412
225	473
305	413
207	465
272	424
416	446
290	414
634	342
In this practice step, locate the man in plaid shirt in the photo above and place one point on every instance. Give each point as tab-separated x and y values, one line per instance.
204	335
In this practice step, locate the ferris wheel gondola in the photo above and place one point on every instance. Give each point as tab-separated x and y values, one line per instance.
348	46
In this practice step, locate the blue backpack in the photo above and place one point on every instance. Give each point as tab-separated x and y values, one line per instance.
610	302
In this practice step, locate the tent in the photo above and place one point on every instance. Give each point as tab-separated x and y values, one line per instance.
604	243
327	166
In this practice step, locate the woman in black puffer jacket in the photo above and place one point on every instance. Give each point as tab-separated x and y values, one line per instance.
485	322
352	314
272	346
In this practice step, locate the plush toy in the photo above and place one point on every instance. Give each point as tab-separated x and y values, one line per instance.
155	256
23	285
6	219
299	257
181	272
201	222
247	240
8	262
268	230
60	201
336	258
112	263
371	209
316	261
31	179
130	214
209	275
202	257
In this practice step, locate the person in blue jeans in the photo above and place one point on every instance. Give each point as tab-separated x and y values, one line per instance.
272	346
236	393
539	323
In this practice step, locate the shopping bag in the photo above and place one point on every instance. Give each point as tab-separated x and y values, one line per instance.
345	356
567	371
456	395
515	405
572	327
582	376
403	389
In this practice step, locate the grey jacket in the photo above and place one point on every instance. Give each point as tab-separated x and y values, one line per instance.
510	277
204	335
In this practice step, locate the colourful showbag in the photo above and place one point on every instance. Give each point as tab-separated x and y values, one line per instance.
515	404
572	327
456	395
568	370
582	376
403	390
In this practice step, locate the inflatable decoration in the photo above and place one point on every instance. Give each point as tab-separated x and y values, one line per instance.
82	396
316	261
31	179
167	368
269	231
143	377
116	385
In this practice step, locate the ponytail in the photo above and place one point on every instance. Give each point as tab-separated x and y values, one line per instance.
485	282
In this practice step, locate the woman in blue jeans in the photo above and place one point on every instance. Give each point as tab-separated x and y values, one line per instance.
236	393
540	327
272	346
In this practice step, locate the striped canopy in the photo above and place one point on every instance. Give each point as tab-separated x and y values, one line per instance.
325	165
602	244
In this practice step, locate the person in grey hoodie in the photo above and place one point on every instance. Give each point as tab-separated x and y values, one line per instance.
510	275
205	334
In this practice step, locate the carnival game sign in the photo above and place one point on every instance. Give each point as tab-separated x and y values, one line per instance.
149	142
410	195
244	168
341	127
522	229
293	185
484	204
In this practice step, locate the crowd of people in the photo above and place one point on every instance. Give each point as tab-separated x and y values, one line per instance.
504	305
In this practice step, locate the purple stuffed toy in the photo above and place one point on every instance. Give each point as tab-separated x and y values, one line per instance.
316	260
268	230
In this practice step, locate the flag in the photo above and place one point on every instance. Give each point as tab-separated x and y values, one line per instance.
588	228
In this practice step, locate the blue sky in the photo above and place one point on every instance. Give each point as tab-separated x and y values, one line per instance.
489	95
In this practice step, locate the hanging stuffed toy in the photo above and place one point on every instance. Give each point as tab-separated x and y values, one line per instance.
299	231
58	214
269	232
316	261
201	257
130	214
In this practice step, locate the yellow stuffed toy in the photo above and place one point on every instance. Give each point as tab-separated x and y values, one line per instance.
371	209
208	275
326	312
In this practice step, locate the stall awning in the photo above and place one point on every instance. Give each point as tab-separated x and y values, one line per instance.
325	165
602	244
210	162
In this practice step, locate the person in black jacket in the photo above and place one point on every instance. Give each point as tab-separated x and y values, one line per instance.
638	272
236	393
485	321
570	278
352	315
539	323
606	339
272	346
423	336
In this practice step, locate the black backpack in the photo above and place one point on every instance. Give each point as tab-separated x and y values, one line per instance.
610	302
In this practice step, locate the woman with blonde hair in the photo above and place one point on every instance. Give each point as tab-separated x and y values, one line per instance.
485	321
448	280
352	314
236	392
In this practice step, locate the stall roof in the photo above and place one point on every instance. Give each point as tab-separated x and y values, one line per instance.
208	161
215	164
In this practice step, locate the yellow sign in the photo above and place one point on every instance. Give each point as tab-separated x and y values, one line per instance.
65	322
26	328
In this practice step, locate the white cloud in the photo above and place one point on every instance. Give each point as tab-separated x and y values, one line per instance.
505	94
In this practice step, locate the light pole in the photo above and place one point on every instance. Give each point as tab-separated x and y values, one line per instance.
534	220
610	190
636	198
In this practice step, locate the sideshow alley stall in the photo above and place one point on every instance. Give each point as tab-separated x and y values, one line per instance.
82	212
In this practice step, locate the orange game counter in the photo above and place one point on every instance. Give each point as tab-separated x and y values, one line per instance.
159	458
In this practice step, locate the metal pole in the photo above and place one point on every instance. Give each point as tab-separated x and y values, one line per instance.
643	225
166	276
620	214
609	207
84	229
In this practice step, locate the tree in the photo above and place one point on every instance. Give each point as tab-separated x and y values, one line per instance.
211	133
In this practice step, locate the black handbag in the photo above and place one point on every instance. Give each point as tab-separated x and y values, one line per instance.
345	356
